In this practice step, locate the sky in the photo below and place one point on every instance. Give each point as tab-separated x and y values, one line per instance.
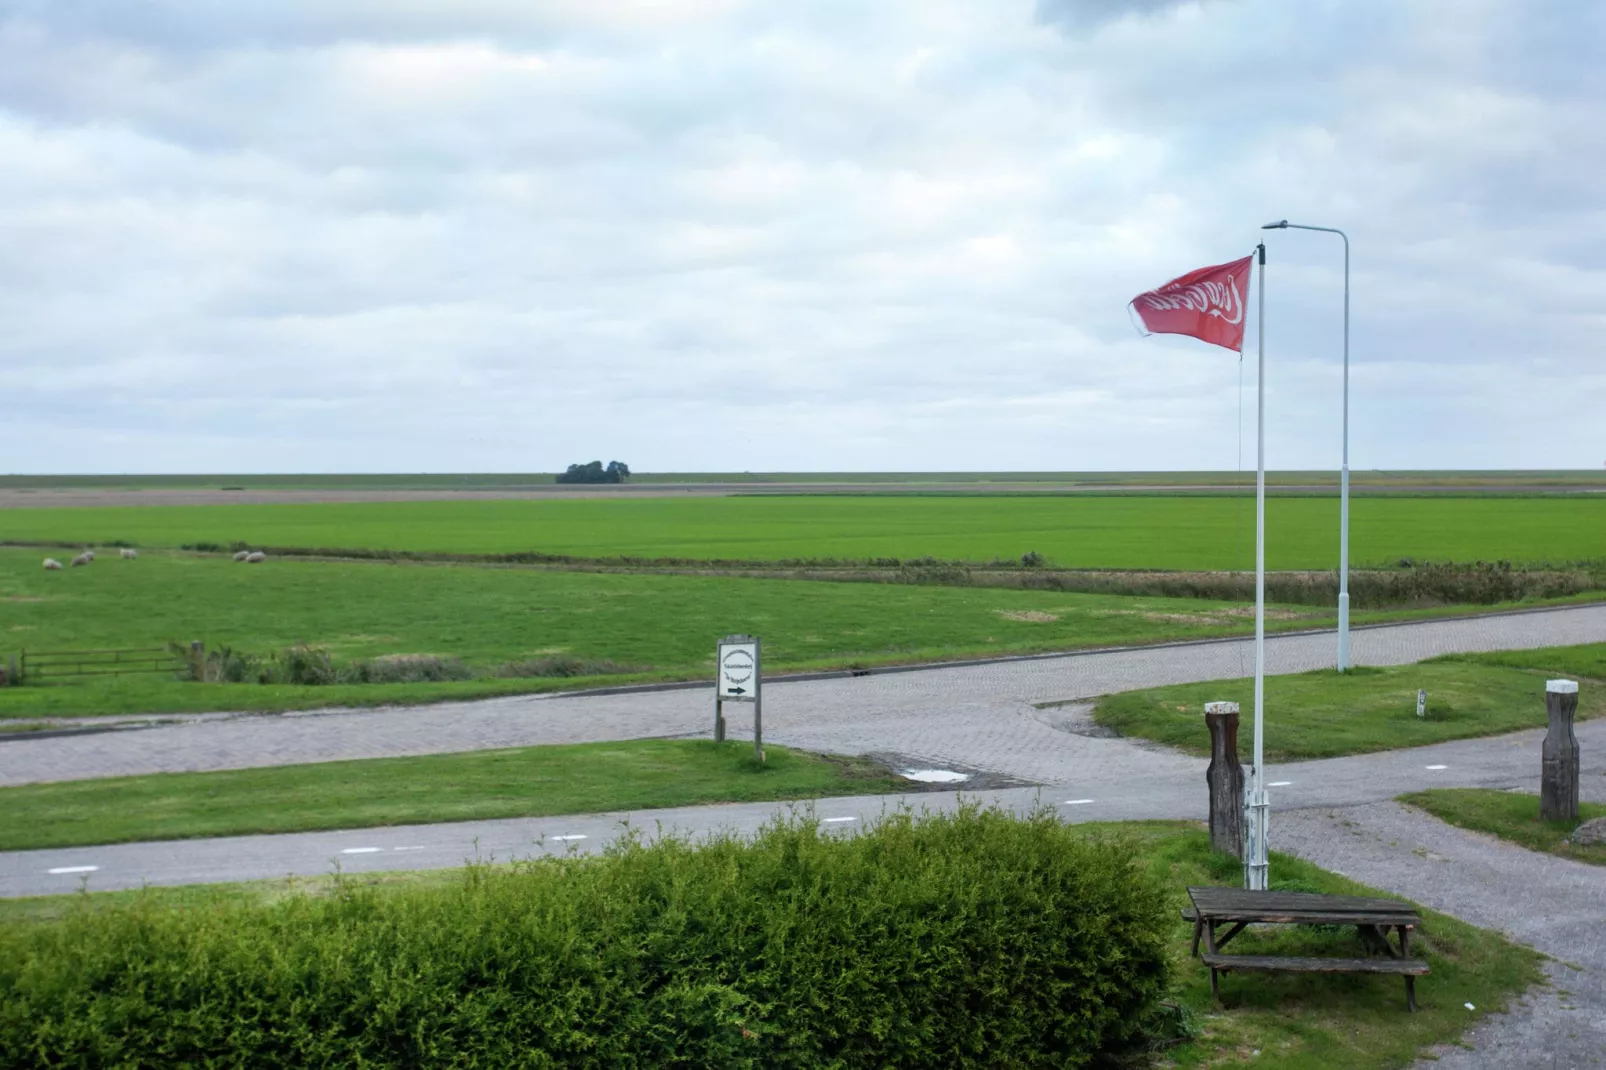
718	235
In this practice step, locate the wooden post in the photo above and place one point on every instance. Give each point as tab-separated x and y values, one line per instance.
719	718
1558	779
758	726
1225	779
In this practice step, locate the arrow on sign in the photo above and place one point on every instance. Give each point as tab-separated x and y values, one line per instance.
737	690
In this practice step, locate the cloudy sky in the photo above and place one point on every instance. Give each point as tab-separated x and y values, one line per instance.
703	235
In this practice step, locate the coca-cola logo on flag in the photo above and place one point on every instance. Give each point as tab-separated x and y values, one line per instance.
1207	304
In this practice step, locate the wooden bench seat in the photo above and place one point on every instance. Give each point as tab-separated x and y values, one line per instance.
1410	969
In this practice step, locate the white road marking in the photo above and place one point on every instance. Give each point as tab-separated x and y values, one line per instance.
362	850
1438	767
407	848
569	839
59	870
1076	802
834	820
1279	783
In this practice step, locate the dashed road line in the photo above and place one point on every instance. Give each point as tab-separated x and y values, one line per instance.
59	870
362	850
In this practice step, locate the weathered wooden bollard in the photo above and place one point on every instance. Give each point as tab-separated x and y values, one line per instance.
1558	778
1225	778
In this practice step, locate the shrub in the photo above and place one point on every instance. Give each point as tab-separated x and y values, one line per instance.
562	665
303	665
404	669
967	940
222	665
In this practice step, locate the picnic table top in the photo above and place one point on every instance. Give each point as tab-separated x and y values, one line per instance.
1240	904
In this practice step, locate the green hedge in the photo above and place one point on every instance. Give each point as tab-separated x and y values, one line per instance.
970	940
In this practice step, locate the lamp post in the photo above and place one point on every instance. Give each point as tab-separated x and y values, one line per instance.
1343	492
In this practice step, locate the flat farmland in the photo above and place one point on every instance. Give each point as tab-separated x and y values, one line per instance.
652	627
1116	532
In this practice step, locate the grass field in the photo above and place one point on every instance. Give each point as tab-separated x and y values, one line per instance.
663	627
1149	532
1512	817
1294	1021
523	782
1326	715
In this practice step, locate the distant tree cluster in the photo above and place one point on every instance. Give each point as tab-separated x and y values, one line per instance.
616	472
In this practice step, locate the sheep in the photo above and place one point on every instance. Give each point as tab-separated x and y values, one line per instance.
129	555
90	554
52	565
242	555
256	558
83	559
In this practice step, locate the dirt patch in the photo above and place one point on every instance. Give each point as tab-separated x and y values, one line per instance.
1030	616
28	598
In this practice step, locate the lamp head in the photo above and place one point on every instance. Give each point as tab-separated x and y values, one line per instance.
1281	224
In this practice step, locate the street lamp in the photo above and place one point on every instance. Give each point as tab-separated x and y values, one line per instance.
1343	508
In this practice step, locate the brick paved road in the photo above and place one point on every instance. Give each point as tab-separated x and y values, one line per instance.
978	717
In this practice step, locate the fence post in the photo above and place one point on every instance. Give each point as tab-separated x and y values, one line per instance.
1558	779
1225	779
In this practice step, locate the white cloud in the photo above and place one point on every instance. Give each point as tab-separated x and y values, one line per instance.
717	234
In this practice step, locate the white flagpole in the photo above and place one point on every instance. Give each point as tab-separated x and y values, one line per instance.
1255	862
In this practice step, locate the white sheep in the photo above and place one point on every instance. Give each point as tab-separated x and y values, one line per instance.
256	558
128	554
242	555
90	554
83	559
52	565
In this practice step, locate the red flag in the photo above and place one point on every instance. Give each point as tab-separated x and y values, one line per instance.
1207	303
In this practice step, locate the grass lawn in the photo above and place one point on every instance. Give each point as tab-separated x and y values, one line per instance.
1294	1021
662	627
1145	532
478	785
1511	817
1324	714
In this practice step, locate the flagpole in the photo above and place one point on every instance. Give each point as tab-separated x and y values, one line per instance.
1256	865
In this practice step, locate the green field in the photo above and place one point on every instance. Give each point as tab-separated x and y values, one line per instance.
646	774
1512	817
662	627
1327	715
1132	532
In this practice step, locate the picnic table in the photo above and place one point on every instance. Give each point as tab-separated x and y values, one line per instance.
1239	909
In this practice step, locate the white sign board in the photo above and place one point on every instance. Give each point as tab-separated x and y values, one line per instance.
1421	703
738	670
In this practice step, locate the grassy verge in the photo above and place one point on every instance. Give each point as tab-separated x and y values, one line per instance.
1293	1021
1512	817
1325	715
523	782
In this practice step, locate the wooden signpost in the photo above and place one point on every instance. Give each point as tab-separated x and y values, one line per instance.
737	661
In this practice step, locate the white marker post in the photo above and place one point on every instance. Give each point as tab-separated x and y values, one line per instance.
739	668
